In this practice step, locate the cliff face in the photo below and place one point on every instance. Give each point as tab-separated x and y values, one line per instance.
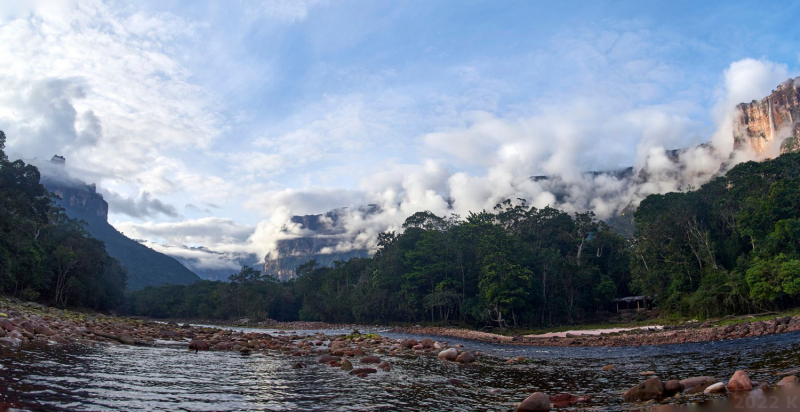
146	267
774	117
325	232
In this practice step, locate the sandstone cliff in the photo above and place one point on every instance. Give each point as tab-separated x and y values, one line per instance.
772	118
324	232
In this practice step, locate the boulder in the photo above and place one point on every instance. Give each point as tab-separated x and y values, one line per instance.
538	402
328	358
363	371
740	382
346	365
198	345
370	359
649	389
448	354
385	366
465	357
718	387
427	343
58	339
788	381
43	330
9	342
691	383
126	339
672	387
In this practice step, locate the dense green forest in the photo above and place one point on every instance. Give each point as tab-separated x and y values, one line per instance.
46	256
732	246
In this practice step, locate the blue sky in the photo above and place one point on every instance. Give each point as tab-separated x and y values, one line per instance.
208	123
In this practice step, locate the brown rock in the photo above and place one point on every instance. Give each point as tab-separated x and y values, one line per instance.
690	383
649	389
328	358
672	387
347	365
370	359
538	402
465	357
363	371
788	381
298	366
740	382
126	339
43	330
609	367
386	366
198	345
699	388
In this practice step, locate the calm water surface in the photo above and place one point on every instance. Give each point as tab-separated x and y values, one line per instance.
169	377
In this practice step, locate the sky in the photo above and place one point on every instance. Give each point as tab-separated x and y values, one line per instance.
211	123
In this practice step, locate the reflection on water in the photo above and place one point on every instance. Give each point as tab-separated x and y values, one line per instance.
169	377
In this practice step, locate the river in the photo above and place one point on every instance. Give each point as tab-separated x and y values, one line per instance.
169	377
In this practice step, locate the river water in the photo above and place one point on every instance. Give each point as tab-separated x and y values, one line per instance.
169	377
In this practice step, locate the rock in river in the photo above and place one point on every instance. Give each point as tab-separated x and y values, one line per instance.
370	359
346	365
466	357
363	371
448	354
740	382
538	402
718	387
649	389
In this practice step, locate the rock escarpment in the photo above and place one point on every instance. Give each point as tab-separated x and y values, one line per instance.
325	239
773	118
146	267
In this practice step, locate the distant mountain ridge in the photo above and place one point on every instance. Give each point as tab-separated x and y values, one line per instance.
756	124
146	267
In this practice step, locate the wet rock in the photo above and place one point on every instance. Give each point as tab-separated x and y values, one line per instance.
370	359
448	354
58	339
691	383
788	381
9	342
363	371
328	358
43	330
609	367
245	351
346	365
538	402
125	338
27	326
6	325
220	346
465	357
298	365
427	343
645	391
385	366
672	387
456	382
740	382
718	387
198	345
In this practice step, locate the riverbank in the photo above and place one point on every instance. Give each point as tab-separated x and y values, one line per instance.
614	337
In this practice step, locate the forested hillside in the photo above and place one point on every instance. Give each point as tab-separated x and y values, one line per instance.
732	246
46	256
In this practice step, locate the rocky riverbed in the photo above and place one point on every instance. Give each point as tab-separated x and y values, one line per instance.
479	373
